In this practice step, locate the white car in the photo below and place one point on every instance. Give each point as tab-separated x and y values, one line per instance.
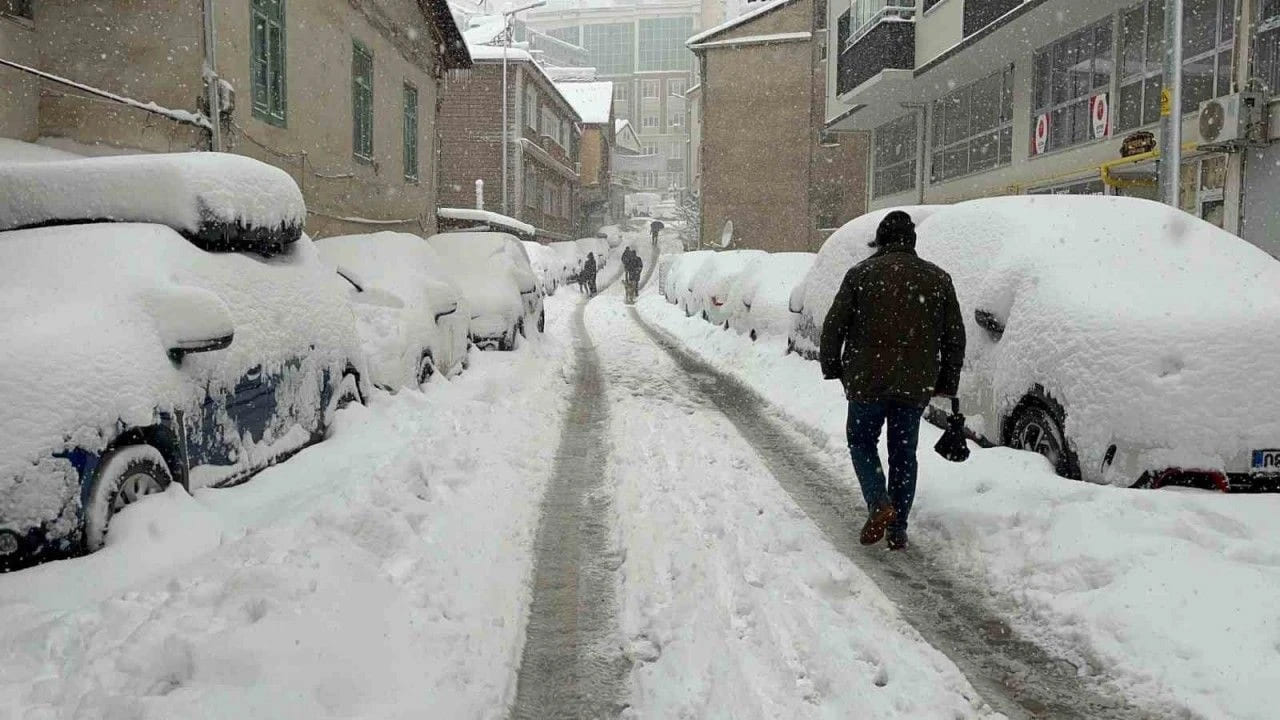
546	265
710	286
759	301
197	338
413	322
811	299
492	270
676	286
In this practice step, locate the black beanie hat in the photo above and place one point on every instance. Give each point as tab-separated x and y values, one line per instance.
897	228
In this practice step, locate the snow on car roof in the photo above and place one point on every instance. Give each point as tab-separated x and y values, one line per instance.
392	261
205	196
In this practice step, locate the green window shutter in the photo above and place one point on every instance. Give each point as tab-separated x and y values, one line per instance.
410	132
267	60
362	101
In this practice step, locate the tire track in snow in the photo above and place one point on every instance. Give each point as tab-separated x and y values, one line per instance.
1014	675
572	665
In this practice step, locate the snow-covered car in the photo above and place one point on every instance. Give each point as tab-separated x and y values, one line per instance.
546	264
676	286
492	270
759	301
412	321
569	260
710	287
1126	341
811	299
597	246
165	320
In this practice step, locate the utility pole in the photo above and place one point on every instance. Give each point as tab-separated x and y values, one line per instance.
1171	106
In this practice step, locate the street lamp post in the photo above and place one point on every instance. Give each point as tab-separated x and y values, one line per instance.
508	21
1171	106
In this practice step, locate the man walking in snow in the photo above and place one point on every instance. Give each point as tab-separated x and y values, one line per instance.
894	337
589	274
632	266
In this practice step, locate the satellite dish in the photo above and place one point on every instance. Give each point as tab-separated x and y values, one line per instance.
726	235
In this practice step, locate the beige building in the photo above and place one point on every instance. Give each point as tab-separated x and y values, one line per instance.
341	95
764	161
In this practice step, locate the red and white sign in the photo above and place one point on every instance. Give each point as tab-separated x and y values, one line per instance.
1040	139
1100	113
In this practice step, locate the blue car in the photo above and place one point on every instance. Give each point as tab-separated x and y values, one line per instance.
156	331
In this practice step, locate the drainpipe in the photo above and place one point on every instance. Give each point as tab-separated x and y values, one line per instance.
921	151
1171	110
1233	193
479	194
211	79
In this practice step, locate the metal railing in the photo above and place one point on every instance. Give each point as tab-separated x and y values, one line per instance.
866	14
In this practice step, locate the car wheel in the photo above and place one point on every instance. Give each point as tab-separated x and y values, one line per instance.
755	337
542	321
349	389
520	327
791	346
1036	425
426	368
125	475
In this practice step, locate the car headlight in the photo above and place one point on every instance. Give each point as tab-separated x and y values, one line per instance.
8	543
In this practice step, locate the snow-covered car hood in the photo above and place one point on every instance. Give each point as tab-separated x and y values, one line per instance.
82	309
1151	327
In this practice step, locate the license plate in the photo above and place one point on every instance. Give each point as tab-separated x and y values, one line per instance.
1266	462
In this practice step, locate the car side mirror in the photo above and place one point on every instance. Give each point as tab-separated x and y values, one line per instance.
989	322
190	320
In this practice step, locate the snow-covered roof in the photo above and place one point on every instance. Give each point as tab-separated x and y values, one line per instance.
570	74
593	101
740	20
754	40
492	52
484	29
489	218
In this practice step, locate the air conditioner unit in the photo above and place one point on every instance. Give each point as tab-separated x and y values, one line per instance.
1232	122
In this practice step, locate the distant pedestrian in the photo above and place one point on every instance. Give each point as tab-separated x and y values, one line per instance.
655	227
632	267
589	275
894	338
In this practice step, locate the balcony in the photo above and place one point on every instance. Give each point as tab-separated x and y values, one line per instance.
874	36
978	15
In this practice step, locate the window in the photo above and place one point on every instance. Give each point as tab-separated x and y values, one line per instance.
677	151
650	88
266	65
1208	45
866	14
550	126
973	128
548	191
566	201
530	188
895	156
566	129
676	87
621	91
410	132
661	44
21	8
610	48
675	118
531	106
649	123
1084	187
362	101
1066	77
650	149
1266	47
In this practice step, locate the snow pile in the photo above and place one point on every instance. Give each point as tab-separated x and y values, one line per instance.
845	248
381	573
86	350
1168	594
198	194
403	289
1155	330
593	101
759	302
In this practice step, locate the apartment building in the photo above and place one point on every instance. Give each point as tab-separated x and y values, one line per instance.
601	200
966	99
765	161
639	46
342	96
543	136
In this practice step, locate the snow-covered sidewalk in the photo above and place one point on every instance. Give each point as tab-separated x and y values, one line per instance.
733	604
1172	595
381	574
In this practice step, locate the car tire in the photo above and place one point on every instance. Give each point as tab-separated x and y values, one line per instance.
349	390
791	346
1037	425
520	327
754	337
426	369
542	321
124	475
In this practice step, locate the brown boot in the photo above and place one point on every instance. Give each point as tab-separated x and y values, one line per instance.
877	522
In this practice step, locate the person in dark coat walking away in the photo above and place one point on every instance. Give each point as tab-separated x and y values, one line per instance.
589	274
632	267
894	337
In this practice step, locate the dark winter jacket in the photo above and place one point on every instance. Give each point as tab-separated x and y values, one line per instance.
894	331
632	263
589	267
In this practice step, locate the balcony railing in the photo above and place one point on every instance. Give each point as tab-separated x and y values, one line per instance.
878	47
866	14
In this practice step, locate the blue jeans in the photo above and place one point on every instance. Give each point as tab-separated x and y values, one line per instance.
863	433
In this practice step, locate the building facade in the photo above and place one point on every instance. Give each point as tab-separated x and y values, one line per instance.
765	161
640	48
969	99
343	96
543	134
593	101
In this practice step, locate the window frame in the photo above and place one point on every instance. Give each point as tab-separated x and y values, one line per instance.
358	113
646	85
531	106
909	158
940	146
1060	82
412	162
272	66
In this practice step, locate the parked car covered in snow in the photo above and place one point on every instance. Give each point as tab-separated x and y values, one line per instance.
412	321
759	300
812	297
165	320
1126	341
676	286
493	272
710	287
546	265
